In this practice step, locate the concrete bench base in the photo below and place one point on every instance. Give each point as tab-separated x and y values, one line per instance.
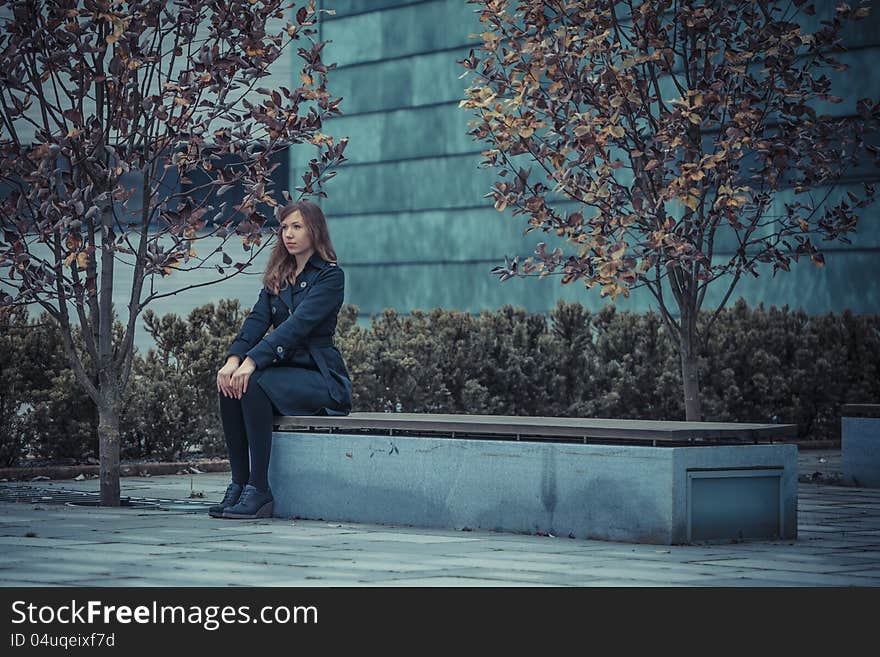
661	495
860	451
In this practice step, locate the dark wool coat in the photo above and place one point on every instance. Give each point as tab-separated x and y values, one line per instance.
298	366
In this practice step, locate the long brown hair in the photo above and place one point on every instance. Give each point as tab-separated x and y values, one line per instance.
281	268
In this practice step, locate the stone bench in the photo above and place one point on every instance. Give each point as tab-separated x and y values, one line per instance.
860	445
624	480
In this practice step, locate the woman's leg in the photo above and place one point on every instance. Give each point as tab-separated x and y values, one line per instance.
232	417
258	419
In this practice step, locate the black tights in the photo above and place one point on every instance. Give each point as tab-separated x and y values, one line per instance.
247	423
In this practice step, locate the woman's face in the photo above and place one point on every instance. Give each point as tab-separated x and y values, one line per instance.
295	235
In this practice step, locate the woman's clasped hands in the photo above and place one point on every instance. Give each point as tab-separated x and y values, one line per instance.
232	378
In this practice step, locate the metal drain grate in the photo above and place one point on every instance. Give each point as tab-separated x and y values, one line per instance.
35	495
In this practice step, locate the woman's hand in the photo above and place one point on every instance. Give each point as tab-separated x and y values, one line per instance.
241	376
224	375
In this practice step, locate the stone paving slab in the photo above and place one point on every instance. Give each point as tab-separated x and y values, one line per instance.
838	545
751	583
456	580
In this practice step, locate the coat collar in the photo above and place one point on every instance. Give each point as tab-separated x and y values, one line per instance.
315	261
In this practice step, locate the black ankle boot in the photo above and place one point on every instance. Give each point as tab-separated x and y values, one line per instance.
233	493
253	504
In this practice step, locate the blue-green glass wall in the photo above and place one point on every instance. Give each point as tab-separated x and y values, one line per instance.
407	212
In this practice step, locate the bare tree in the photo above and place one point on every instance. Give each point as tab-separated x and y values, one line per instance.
124	126
671	126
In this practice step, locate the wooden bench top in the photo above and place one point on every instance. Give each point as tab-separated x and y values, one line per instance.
561	428
861	410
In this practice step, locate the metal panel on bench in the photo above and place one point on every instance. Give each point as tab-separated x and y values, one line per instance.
735	504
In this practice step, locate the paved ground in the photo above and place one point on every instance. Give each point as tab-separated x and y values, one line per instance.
177	544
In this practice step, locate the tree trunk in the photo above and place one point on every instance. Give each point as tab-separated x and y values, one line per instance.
108	440
690	374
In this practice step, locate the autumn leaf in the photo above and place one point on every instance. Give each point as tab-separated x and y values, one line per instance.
73	241
319	138
74	116
617	250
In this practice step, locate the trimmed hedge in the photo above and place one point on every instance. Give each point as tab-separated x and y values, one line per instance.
761	365
42	409
175	408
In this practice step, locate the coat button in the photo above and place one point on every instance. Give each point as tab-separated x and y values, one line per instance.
274	309
280	349
303	284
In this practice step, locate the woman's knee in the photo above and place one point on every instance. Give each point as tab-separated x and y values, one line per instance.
254	394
